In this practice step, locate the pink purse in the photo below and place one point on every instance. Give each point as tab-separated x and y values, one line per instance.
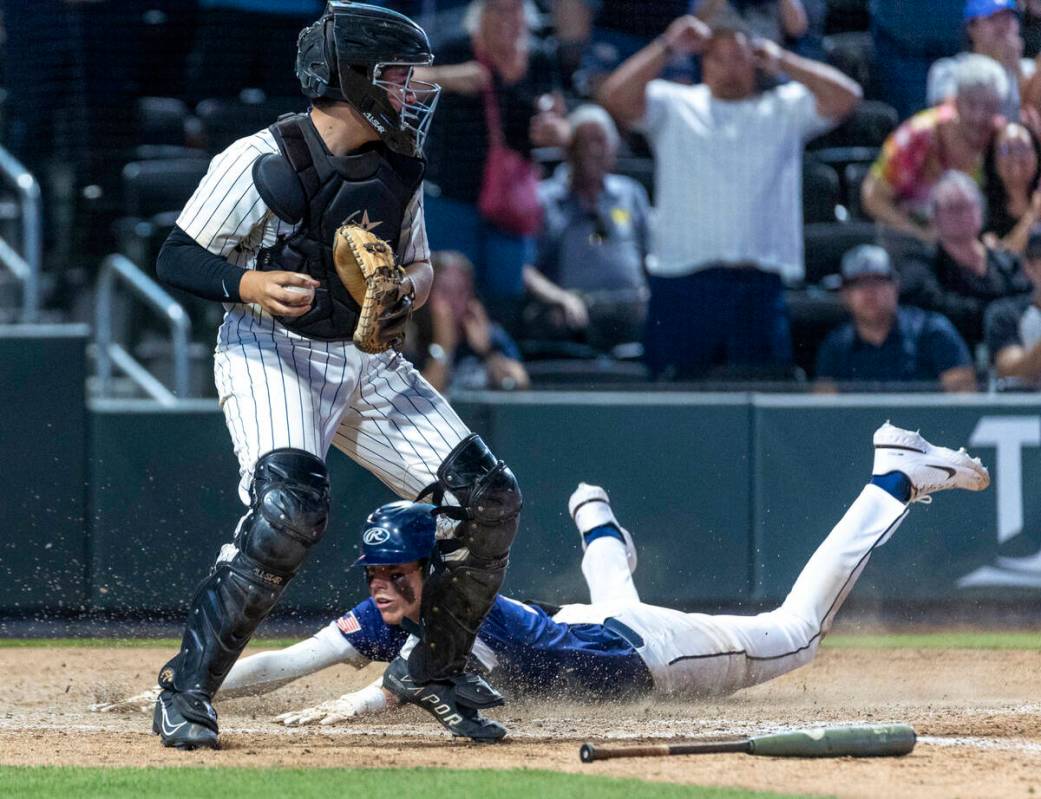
509	187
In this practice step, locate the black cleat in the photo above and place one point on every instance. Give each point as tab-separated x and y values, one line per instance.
455	703
185	720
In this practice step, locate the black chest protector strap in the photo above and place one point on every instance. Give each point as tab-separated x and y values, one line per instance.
309	188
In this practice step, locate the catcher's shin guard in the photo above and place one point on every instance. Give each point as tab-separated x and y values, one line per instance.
470	569
287	516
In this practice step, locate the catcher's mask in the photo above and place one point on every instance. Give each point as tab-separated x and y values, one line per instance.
347	54
399	532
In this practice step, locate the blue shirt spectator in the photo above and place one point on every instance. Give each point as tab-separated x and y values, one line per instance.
885	343
588	280
596	247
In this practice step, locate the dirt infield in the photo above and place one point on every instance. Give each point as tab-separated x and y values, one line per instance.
978	715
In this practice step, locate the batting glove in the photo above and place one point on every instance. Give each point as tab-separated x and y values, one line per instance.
368	700
143	702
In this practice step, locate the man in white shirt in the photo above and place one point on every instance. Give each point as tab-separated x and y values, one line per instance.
728	183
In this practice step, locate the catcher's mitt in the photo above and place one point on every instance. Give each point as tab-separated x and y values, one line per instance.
365	264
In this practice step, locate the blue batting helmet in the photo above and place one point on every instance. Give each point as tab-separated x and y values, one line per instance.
399	532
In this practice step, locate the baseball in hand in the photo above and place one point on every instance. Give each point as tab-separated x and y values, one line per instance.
308	290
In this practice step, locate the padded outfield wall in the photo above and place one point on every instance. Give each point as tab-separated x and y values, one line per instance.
121	507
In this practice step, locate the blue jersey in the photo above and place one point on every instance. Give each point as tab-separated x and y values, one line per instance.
529	649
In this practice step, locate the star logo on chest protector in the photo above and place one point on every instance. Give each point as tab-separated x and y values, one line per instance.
364	222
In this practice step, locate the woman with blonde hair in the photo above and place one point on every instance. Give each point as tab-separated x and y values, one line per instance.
500	92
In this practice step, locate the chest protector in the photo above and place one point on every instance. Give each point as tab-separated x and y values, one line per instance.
305	185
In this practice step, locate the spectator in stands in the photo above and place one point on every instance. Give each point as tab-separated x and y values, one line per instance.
1013	327
950	136
234	45
588	281
1012	175
992	28
887	343
597	35
727	180
908	37
453	342
965	275
498	54
777	20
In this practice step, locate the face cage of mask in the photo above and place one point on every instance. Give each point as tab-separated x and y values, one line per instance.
418	99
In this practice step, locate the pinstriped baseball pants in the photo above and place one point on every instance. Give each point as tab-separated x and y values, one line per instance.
278	389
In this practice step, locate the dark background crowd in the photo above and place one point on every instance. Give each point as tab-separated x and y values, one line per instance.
796	194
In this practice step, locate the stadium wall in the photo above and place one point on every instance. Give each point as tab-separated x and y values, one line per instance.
121	506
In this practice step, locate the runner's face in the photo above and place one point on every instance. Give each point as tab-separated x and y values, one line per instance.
397	590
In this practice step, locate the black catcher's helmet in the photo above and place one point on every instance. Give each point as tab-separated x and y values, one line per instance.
343	56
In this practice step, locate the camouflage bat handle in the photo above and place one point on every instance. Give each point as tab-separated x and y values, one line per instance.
871	740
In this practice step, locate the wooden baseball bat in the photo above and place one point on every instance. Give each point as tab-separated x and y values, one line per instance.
871	740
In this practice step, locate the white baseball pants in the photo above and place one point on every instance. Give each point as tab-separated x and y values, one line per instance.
701	654
278	389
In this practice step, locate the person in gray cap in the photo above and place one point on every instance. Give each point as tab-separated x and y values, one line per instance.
1012	328
886	343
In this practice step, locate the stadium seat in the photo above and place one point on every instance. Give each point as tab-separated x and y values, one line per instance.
867	126
826	242
840	157
813	312
820	192
219	122
151	187
853	53
852	179
161	120
153	194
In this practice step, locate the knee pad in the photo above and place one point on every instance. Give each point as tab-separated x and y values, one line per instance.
289	511
488	493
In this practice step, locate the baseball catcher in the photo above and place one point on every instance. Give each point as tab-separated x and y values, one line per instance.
311	234
615	646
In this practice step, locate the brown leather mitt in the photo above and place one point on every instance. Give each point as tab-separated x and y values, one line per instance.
365	263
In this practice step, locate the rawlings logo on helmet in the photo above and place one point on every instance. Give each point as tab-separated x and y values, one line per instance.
375	536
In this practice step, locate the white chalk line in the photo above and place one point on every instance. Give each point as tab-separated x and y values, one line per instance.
667	729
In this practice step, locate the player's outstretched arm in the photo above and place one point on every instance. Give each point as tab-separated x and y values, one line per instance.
262	673
143	702
369	700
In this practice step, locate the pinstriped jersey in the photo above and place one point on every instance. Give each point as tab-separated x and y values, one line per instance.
227	216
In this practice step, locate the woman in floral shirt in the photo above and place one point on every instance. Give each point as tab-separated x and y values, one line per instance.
954	135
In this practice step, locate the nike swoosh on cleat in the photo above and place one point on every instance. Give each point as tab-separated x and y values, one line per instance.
948	469
897	446
169	729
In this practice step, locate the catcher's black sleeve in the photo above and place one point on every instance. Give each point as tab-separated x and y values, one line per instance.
186	264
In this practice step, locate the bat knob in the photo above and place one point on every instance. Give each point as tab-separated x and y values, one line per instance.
587	754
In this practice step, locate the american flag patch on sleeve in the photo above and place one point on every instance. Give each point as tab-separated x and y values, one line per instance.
348	624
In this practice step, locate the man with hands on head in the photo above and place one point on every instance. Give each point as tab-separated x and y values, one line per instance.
728	160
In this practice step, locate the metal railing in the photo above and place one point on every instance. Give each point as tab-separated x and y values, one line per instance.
24	265
118	268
